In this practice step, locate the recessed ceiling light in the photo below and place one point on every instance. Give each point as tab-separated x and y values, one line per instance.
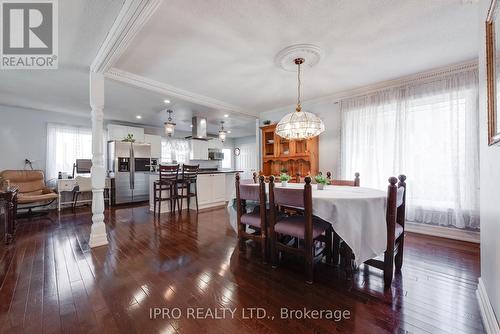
191	125
166	101
226	115
138	116
229	131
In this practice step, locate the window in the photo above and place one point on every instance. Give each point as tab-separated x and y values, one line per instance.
174	150
65	144
427	131
227	161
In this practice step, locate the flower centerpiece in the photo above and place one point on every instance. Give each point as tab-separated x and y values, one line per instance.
321	181
284	178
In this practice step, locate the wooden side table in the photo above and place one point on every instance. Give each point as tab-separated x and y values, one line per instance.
8	199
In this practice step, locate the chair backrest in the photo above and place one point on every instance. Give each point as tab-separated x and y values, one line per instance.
396	207
246	189
299	198
401	201
84	183
190	172
350	183
26	181
169	173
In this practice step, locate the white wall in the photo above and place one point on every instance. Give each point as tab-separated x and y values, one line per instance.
490	186
329	141
23	134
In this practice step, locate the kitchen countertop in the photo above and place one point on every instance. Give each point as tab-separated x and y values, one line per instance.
223	171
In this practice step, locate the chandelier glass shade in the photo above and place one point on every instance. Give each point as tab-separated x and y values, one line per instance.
222	133
300	124
169	125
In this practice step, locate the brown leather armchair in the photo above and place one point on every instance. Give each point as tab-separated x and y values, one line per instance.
31	186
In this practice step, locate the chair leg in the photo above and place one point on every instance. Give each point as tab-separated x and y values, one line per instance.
170	195
182	196
388	268
328	245
196	195
274	255
188	192
309	261
399	256
263	245
336	249
159	203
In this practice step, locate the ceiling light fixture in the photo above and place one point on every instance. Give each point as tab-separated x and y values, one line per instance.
299	124
226	115
222	133
138	116
166	101
228	131
169	125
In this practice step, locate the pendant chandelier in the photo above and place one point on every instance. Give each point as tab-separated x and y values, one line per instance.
299	124
169	125
222	133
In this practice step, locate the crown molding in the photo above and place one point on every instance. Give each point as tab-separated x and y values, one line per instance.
171	91
418	77
131	19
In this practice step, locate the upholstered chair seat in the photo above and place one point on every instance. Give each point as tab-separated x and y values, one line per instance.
252	219
294	226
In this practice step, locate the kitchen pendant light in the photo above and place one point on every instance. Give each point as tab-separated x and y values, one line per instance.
222	133
299	124
169	125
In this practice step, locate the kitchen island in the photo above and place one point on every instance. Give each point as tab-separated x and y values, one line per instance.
215	189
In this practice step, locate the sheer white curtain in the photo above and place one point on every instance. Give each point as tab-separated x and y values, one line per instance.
65	144
174	150
427	131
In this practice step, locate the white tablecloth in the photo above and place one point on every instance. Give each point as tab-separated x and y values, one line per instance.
357	215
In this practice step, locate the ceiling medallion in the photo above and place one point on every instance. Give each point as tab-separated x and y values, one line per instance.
299	124
286	57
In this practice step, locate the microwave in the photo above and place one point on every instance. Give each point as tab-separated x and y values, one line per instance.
215	155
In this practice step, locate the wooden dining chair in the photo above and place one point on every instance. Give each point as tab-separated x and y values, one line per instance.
306	229
246	190
338	182
395	219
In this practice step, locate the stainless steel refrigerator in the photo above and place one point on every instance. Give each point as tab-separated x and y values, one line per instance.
129	163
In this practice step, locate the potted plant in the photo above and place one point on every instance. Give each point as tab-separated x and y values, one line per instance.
267	122
284	178
321	181
129	138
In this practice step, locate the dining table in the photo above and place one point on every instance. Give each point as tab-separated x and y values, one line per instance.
357	215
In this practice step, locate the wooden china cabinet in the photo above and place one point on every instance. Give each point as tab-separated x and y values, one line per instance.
297	156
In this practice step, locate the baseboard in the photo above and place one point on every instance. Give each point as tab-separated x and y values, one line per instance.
490	321
443	232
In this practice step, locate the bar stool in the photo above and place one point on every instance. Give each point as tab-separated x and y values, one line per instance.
189	177
167	181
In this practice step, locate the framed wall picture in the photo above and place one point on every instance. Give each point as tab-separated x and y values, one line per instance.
493	88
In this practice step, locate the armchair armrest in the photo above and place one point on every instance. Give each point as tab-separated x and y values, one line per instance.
47	190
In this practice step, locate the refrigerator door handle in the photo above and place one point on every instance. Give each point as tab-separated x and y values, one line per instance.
132	167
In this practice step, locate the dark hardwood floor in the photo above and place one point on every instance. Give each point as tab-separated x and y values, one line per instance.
52	283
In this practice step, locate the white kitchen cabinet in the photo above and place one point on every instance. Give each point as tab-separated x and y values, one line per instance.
155	142
204	184
218	188
215	144
198	149
230	186
120	132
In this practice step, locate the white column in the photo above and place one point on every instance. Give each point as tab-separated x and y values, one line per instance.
98	235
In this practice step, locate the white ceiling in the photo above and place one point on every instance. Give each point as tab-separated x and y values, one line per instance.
225	49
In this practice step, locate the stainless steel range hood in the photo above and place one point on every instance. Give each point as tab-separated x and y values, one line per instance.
199	128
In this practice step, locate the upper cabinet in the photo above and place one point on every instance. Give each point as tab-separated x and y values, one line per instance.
155	142
198	149
120	132
215	143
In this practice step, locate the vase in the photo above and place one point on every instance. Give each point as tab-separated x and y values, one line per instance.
283	183
321	186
